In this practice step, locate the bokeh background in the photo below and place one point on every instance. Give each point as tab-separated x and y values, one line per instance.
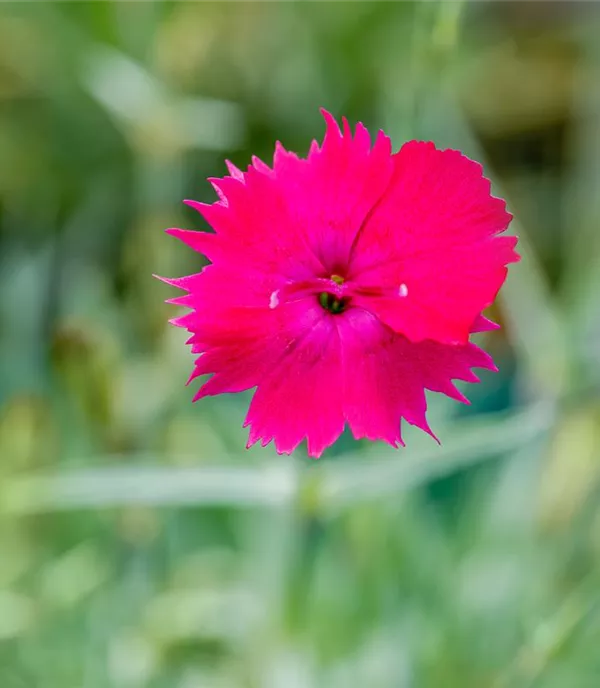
140	545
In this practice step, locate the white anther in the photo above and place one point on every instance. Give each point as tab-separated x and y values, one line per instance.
403	290
274	300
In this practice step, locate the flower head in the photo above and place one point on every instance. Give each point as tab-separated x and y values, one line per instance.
343	285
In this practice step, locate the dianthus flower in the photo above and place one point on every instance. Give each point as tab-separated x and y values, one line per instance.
343	285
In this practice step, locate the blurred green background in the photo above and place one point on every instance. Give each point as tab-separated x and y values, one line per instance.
140	544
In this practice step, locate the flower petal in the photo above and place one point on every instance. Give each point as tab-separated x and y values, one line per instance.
434	233
246	346
248	221
332	192
386	375
302	396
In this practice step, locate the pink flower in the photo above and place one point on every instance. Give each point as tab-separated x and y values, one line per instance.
344	285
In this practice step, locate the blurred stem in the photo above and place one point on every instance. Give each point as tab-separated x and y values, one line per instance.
308	534
436	32
552	636
446	29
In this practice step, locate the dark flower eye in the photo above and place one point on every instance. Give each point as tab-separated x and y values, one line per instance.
332	303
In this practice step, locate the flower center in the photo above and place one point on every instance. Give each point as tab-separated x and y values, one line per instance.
332	303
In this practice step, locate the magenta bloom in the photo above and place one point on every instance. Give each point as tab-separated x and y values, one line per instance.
344	285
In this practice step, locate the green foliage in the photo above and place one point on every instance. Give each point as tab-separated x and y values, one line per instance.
140	545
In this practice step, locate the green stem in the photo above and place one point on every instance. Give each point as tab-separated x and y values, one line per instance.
436	32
